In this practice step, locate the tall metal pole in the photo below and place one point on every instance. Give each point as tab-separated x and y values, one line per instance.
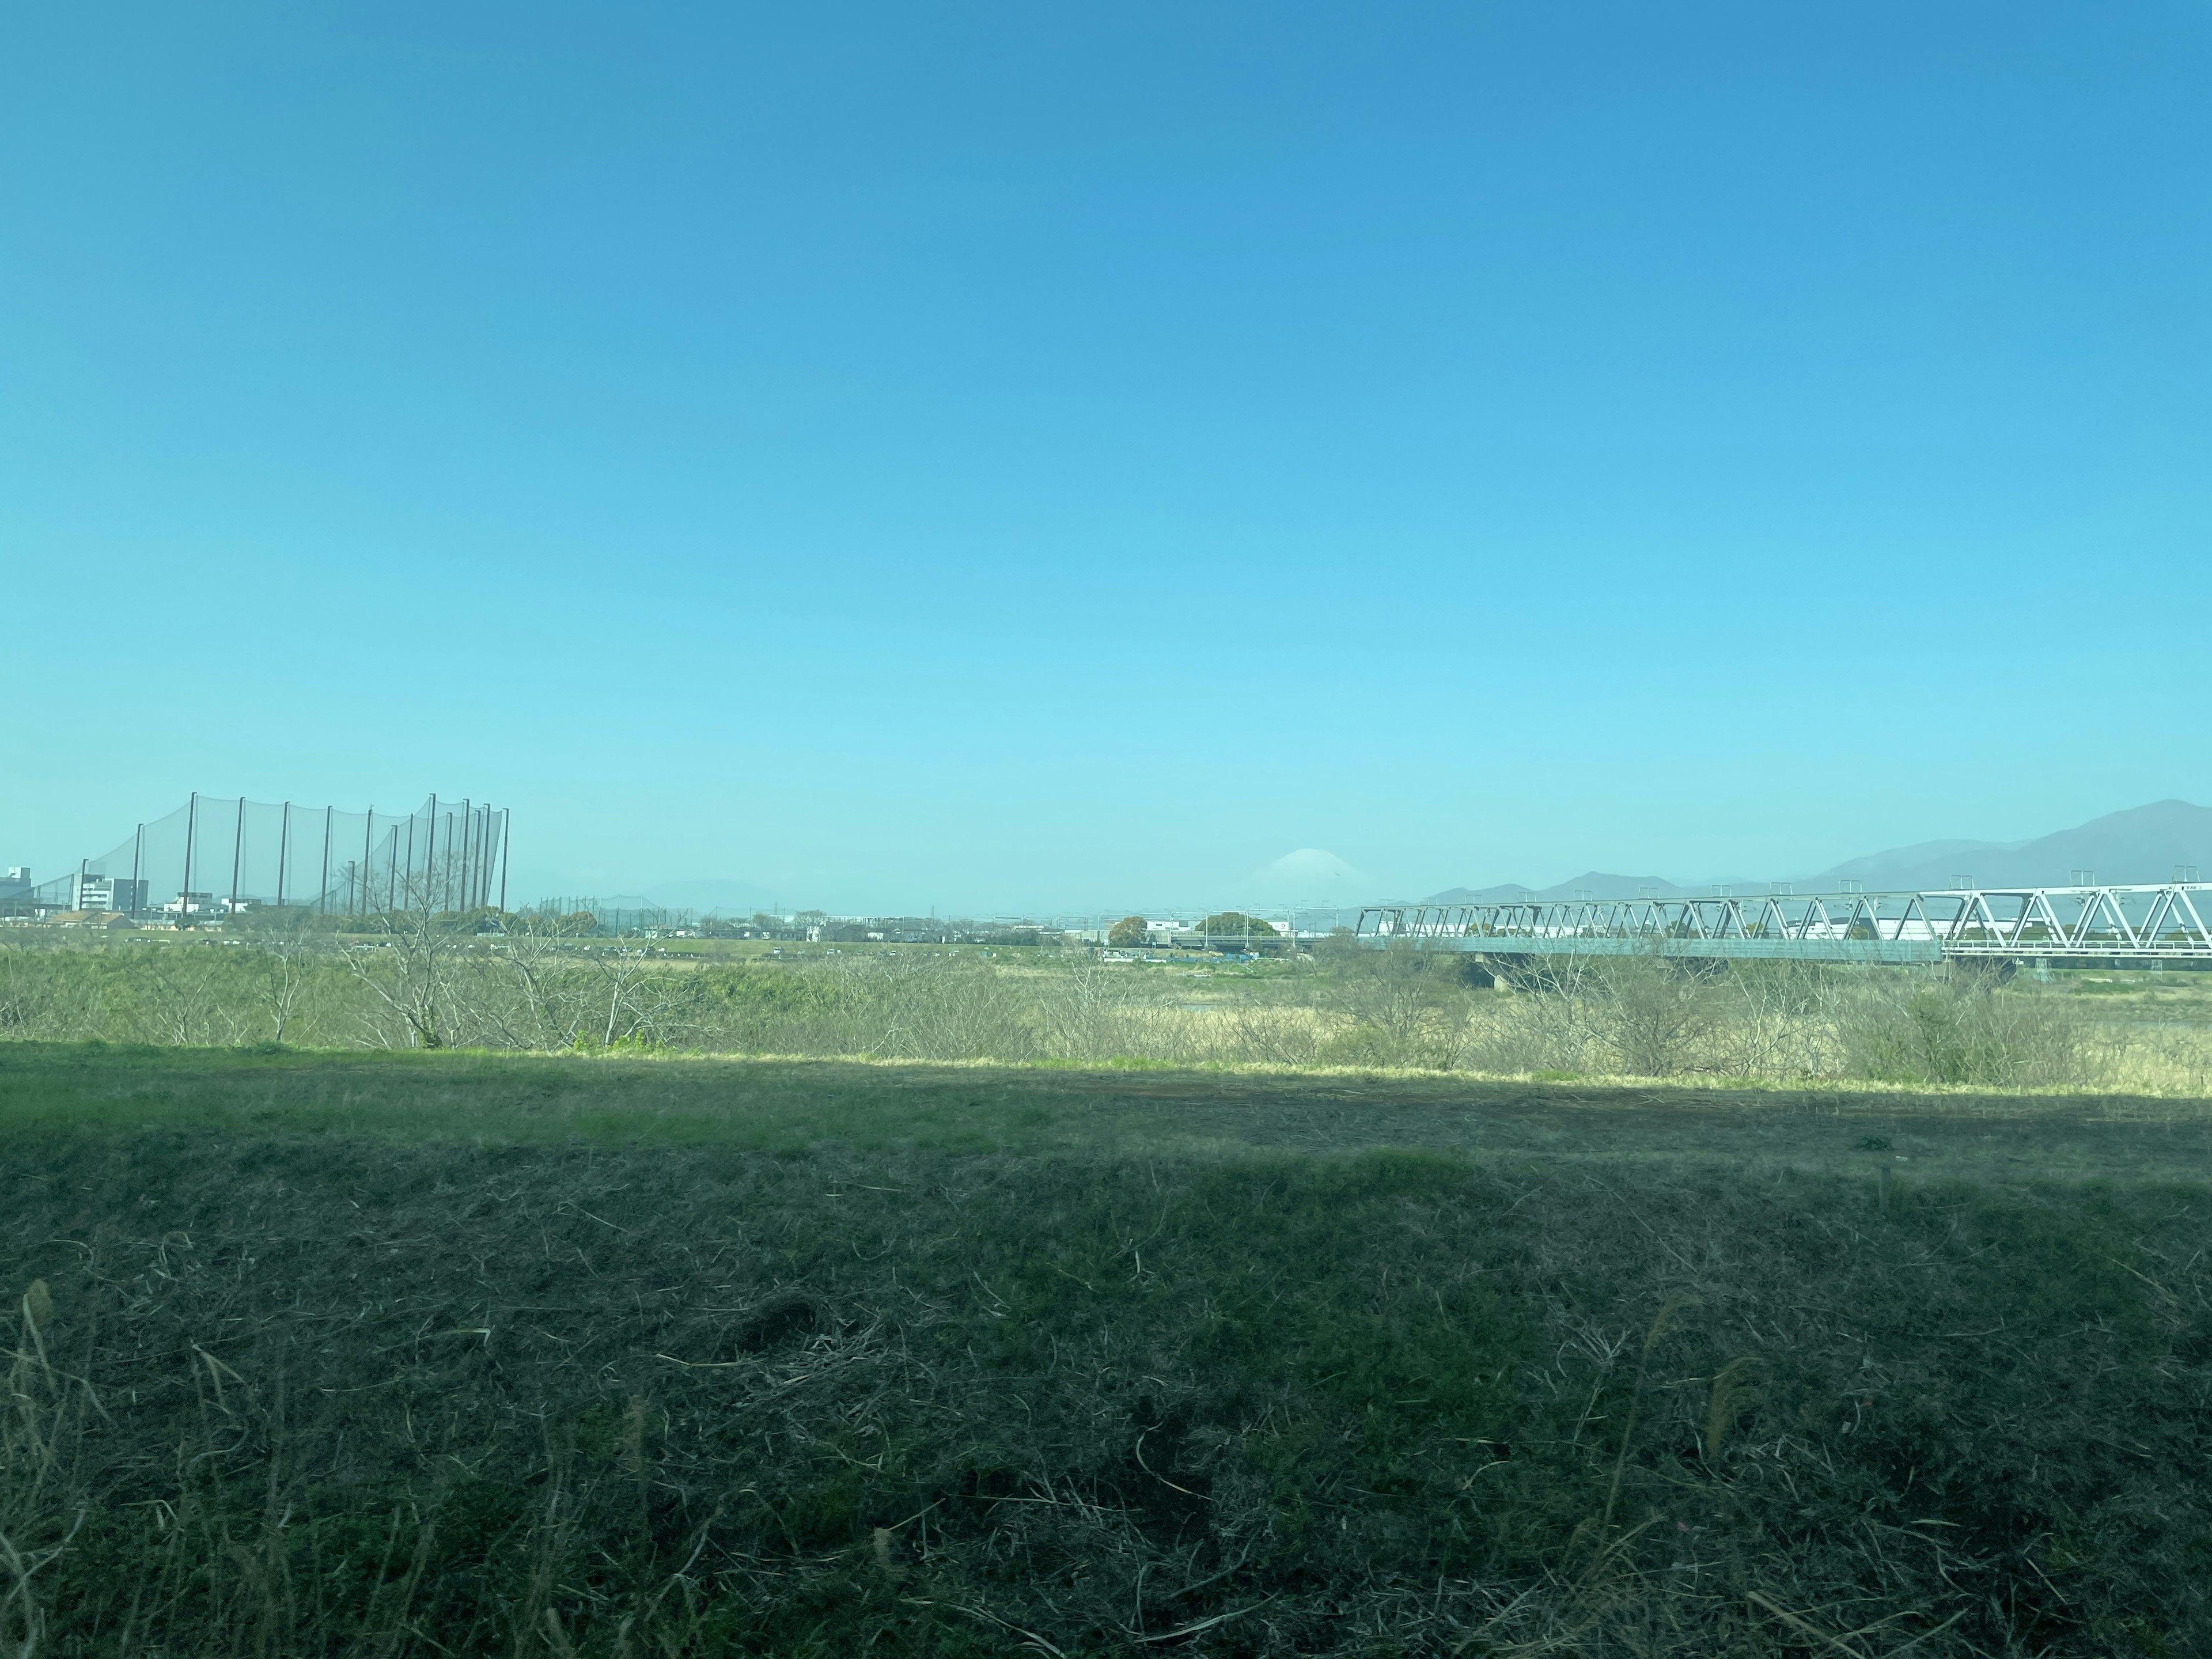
504	830
191	825
137	852
411	861
237	849
431	855
322	892
468	854
283	850
391	872
367	832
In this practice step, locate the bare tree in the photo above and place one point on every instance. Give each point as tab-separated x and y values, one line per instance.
538	955
643	1001
1082	1011
287	971
1412	999
188	995
1656	1014
407	964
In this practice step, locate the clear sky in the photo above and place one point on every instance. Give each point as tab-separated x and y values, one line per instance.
1025	455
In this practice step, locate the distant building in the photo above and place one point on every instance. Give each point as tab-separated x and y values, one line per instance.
116	894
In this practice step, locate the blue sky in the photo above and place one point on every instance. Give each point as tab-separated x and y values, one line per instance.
1001	456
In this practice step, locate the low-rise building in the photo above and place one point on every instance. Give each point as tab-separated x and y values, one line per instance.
118	895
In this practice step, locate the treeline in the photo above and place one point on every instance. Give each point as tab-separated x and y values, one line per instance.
424	983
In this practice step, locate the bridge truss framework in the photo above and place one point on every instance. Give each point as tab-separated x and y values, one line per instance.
2146	926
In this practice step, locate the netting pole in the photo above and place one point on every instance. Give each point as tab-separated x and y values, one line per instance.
411	861
367	834
237	850
191	827
283	850
431	853
322	892
468	854
391	872
504	828
137	852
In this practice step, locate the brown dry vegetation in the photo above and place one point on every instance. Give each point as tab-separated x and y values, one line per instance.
440	1353
425	985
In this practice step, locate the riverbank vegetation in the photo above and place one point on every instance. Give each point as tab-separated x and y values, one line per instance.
422	982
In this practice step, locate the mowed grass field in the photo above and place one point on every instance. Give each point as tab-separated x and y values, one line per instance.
453	1354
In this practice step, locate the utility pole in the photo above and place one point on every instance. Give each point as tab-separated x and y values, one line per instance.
237	848
192	823
322	892
505	830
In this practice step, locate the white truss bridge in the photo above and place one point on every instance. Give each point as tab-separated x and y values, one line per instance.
2119	926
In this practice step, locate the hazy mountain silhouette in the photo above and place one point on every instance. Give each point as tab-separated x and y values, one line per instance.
1595	882
2142	844
1311	875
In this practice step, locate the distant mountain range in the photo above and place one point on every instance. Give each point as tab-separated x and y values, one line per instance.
2143	844
1594	884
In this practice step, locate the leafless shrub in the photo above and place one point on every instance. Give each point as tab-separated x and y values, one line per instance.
187	995
1955	1026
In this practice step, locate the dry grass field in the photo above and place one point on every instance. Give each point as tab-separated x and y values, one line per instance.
443	1353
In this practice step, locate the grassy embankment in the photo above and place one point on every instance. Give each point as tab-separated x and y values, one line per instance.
428	1353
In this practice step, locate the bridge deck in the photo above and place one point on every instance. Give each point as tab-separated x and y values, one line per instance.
2145	925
